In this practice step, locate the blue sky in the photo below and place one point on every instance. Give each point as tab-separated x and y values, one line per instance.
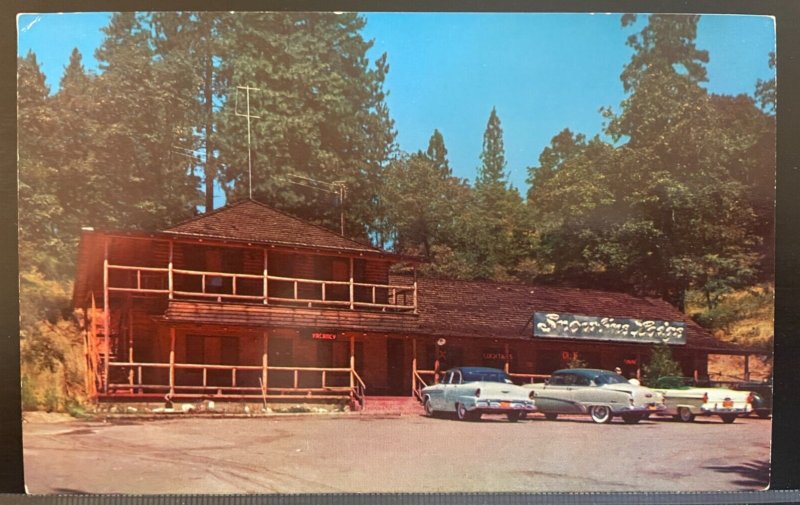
543	72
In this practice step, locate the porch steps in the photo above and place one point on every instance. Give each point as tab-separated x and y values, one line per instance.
392	405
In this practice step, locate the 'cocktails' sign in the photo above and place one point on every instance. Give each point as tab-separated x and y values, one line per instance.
560	325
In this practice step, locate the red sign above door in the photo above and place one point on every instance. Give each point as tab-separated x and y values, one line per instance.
323	336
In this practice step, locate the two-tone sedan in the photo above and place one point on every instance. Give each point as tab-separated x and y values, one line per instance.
473	391
685	401
600	393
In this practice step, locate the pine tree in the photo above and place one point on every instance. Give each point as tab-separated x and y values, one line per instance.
437	153
322	114
492	228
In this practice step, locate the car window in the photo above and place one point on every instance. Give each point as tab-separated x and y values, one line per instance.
580	380
456	379
609	378
556	380
447	378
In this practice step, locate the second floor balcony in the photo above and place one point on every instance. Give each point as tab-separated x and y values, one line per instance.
264	288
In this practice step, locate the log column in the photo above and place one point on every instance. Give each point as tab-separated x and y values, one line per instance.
171	362
170	280
747	367
265	362
505	357
638	366
352	290
266	282
106	315
352	361
413	365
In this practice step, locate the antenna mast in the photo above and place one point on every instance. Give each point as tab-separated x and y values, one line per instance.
248	116
338	188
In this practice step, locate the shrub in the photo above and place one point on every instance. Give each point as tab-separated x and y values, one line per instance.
29	399
661	365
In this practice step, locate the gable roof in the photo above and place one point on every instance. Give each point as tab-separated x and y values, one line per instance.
255	222
504	310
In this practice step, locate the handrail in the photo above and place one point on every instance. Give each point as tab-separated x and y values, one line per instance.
417	381
531	376
396	295
359	391
233	387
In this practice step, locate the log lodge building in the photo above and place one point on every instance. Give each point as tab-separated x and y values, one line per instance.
248	303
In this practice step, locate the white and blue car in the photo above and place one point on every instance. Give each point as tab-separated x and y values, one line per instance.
473	391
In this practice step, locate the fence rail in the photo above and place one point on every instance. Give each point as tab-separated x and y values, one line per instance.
267	289
236	380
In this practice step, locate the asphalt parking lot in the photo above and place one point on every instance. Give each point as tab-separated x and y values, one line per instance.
358	453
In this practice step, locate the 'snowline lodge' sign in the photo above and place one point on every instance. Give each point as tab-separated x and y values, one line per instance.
560	325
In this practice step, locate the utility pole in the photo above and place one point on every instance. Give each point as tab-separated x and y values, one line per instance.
247	114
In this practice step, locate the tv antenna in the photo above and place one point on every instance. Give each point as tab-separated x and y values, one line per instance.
247	114
338	188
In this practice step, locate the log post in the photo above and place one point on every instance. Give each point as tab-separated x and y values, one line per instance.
352	289
413	365
106	315
266	284
352	361
130	343
170	280
171	362
415	289
505	357
264	361
747	367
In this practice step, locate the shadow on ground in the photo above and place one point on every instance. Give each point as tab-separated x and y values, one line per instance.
753	474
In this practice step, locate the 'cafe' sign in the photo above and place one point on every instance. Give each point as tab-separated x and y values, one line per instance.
560	325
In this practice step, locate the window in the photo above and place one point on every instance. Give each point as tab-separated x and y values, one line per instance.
581	380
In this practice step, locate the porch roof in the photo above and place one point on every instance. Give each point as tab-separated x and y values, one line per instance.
503	310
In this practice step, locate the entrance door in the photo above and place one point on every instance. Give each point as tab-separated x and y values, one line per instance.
395	373
280	354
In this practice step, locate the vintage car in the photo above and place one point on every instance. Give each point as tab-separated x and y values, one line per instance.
685	401
600	393
762	396
473	391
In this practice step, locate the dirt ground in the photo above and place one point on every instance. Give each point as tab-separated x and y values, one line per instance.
358	453
725	367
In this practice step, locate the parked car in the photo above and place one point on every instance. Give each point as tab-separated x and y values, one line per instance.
473	391
762	396
685	400
600	393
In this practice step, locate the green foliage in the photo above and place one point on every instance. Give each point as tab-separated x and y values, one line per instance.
684	203
322	114
576	362
29	400
661	365
52	400
744	316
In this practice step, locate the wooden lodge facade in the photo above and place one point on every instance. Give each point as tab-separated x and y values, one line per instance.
249	303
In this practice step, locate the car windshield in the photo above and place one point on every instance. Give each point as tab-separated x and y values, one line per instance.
484	375
609	378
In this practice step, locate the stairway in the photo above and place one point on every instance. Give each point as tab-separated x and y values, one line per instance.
392	405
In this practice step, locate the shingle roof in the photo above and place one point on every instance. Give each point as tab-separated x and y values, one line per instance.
255	222
503	310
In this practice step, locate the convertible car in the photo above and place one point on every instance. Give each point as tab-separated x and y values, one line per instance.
685	401
473	391
600	393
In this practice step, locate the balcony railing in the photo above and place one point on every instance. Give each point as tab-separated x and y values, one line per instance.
266	289
235	381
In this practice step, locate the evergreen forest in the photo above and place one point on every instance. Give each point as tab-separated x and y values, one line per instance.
675	199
